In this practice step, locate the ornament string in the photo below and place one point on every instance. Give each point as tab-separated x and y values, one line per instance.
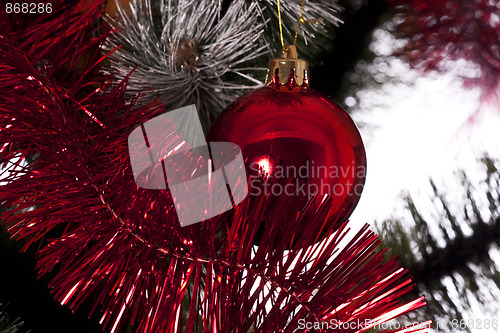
299	21
281	26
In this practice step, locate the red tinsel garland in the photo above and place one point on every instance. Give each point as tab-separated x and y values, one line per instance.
63	139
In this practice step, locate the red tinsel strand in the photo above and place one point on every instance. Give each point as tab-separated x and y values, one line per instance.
439	31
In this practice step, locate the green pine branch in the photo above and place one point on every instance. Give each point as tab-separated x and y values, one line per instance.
458	255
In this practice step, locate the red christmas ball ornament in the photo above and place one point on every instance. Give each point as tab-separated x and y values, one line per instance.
287	130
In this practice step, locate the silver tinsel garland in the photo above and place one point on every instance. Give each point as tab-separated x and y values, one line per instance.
201	52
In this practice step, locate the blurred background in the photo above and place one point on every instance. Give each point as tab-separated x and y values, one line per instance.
421	80
424	89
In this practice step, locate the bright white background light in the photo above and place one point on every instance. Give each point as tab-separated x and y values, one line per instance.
418	128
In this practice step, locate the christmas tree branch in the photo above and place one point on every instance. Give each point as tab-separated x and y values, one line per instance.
458	254
6	324
452	254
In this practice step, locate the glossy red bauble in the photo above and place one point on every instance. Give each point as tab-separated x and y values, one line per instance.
299	134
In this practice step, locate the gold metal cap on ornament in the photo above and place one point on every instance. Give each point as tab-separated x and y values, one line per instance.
285	64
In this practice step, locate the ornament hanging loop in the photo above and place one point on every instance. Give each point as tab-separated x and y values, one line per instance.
301	20
288	69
